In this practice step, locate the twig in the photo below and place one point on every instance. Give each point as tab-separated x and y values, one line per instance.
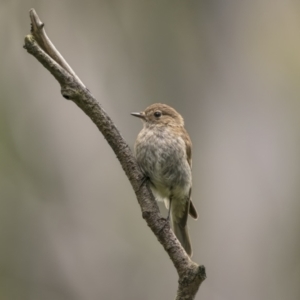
39	33
191	275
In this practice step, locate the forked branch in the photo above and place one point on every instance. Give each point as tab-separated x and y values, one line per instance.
39	45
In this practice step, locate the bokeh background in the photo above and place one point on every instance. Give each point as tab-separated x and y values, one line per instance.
70	226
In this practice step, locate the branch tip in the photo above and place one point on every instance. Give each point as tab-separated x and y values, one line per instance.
36	22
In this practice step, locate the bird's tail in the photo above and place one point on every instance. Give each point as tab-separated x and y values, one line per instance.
182	234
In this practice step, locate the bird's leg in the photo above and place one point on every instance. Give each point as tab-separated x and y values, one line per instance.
144	180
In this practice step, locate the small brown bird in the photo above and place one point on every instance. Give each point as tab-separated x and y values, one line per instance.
163	150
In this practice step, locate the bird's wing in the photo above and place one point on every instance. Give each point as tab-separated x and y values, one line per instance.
188	146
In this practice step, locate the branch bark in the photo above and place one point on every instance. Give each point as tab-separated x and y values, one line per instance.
37	43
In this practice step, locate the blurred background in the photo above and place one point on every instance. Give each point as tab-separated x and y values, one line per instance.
70	225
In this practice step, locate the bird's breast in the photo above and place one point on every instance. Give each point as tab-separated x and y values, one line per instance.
161	154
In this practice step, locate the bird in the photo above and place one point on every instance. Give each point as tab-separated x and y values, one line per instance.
163	150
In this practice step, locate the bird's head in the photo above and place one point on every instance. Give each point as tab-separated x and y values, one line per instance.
161	115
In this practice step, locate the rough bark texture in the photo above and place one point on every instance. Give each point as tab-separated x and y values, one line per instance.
39	45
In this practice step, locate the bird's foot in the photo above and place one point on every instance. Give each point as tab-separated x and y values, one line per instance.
144	180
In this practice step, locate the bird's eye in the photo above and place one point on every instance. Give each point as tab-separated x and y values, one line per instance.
157	114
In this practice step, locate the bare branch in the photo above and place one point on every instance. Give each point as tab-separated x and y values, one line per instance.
39	45
39	33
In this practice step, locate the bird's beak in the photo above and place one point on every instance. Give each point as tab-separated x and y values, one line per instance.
139	115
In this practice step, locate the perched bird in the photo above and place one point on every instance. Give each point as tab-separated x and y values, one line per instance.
163	150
